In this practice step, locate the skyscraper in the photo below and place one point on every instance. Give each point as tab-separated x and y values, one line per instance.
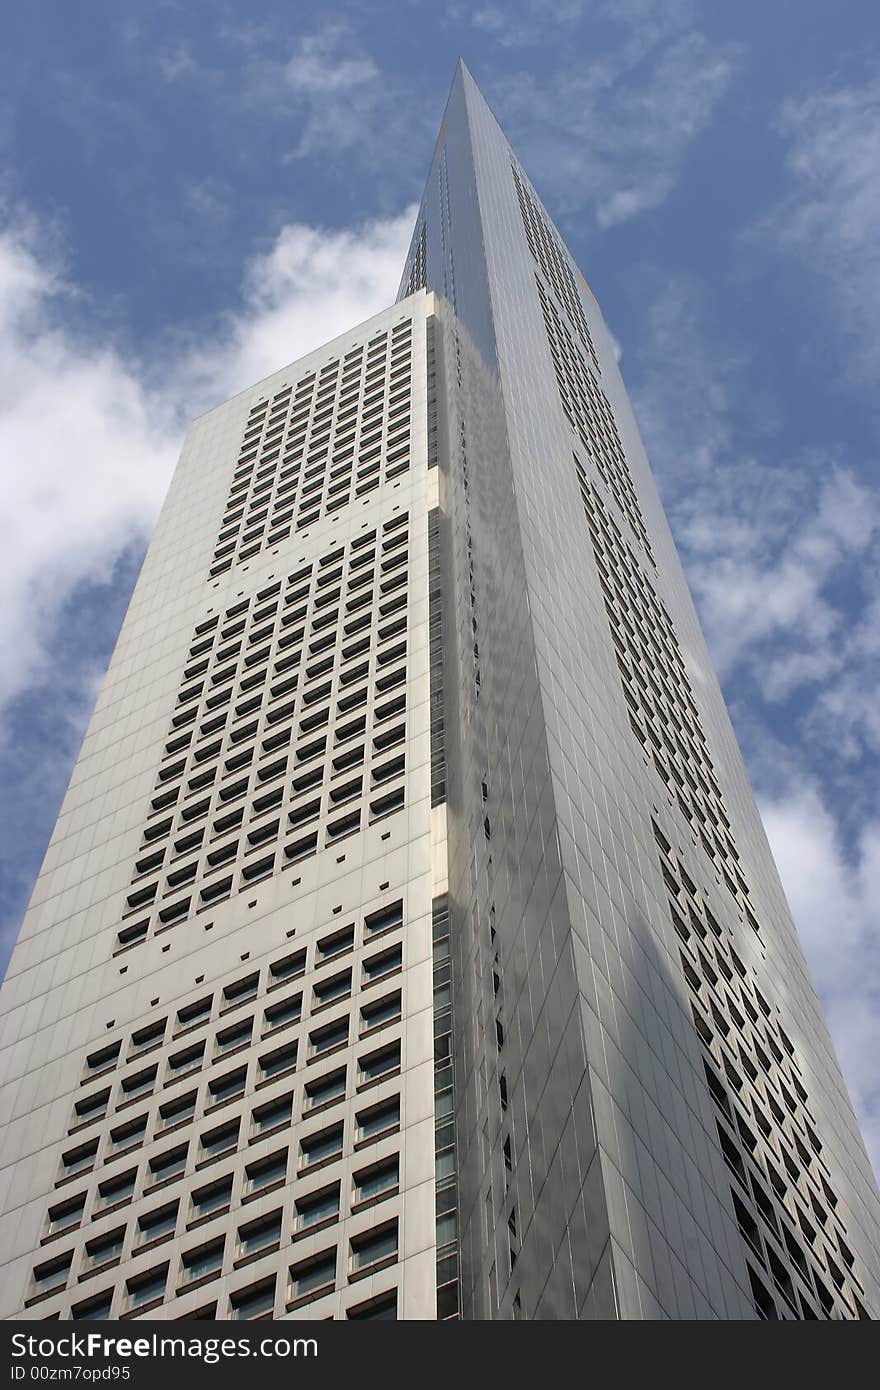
409	944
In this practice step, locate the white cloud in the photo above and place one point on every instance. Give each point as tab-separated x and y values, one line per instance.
779	551
611	133
832	211
89	433
345	99
834	904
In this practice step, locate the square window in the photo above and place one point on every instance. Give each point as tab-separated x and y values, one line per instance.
80	1159
324	1090
335	945
327	1039
147	1288
157	1224
269	1172
177	1111
52	1275
115	1190
312	1278
168	1165
256	1301
379	1120
106	1250
189	1060
322	1147
381	1013
228	1087
92	1107
95	1309
66	1214
230	1039
317	1208
276	1063
287	1011
203	1262
273	1116
377	1182
259	1236
374	1249
337	987
219	1141
376	1065
208	1201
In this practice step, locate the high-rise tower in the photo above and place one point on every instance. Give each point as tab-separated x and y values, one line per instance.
409	944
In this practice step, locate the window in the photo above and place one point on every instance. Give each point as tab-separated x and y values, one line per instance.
67	1214
157	1224
203	1262
337	987
379	1120
177	1111
376	1065
284	1013
322	1147
379	1181
384	1011
257	1301
312	1278
168	1165
139	1085
329	1038
374	1248
240	992
107	1250
276	1063
208	1201
385	963
95	1309
325	1090
147	1288
318	1208
145	1038
239	1035
190	1059
269	1172
193	1014
219	1141
103	1059
80	1159
259	1236
384	1306
129	1135
228	1087
91	1108
336	945
53	1274
117	1190
280	971
273	1116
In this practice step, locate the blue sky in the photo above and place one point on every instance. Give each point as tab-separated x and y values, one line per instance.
197	193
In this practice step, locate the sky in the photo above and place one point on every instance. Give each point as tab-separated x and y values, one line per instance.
195	194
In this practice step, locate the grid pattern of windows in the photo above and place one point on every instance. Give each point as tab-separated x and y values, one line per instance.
552	260
785	1205
418	270
333	437
588	411
435	642
662	711
288	734
444	1132
191	1142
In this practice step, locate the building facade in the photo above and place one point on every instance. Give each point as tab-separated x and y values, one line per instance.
409	944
